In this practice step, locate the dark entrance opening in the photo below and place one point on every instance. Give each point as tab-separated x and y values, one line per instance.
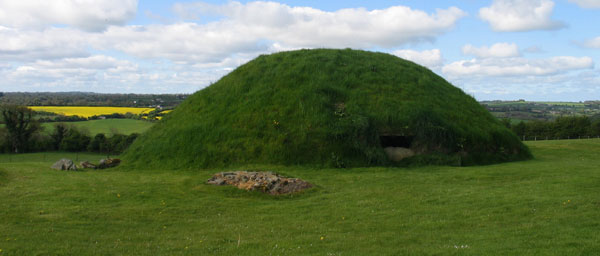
395	141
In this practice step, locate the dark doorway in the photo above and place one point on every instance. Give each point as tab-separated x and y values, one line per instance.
395	141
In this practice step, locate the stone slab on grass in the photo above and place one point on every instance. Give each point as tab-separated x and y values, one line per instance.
64	165
267	182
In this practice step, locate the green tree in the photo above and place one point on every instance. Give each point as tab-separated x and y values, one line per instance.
595	128
75	140
520	129
3	143
572	127
20	126
59	133
506	122
540	129
99	144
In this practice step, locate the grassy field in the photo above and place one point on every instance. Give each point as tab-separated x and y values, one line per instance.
551	103
107	126
546	206
572	104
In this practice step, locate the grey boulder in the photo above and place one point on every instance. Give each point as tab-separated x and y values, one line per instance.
64	165
396	154
87	165
108	163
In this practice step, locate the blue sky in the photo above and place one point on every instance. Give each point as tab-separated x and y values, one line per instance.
545	50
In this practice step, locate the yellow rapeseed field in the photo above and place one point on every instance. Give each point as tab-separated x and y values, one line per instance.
90	111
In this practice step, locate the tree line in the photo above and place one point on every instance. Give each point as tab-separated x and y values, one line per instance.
23	133
569	127
49	117
91	99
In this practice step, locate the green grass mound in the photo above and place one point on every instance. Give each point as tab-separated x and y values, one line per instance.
326	107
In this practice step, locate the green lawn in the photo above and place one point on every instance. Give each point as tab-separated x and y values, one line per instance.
107	126
546	206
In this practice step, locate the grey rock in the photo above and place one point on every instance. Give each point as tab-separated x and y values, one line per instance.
266	182
64	165
398	153
108	163
216	181
86	164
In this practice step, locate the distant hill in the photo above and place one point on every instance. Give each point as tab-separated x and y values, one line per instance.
539	110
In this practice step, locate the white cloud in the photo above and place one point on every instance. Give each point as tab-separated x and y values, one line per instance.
181	42
520	15
592	43
569	86
72	68
587	3
52	43
498	50
309	27
517	66
61	49
259	27
96	62
500	72
101	73
71	74
533	49
4	66
429	58
89	15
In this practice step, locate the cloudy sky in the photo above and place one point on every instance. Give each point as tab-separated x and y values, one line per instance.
492	49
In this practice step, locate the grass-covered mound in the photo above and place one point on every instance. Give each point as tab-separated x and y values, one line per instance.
326	107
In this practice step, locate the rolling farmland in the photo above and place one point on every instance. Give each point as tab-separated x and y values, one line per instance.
90	111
